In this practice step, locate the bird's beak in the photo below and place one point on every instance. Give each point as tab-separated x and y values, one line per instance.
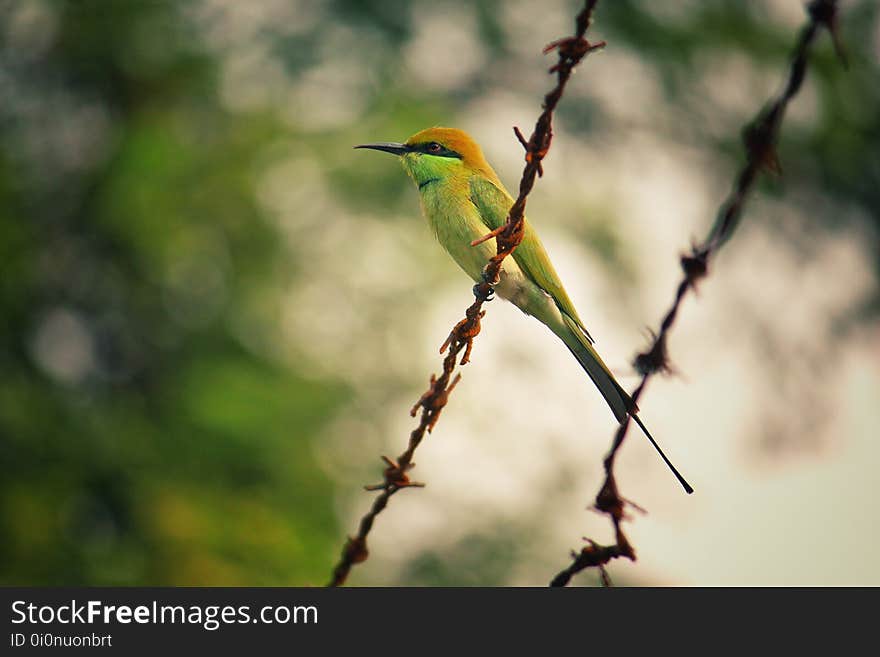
388	147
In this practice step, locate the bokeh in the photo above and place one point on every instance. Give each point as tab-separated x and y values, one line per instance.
216	315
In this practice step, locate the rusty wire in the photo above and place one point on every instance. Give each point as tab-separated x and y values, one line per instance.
571	51
760	138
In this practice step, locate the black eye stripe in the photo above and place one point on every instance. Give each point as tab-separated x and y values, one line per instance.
426	148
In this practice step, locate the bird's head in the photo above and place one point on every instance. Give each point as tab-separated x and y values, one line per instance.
436	154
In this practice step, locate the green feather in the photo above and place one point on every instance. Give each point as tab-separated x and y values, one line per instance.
494	203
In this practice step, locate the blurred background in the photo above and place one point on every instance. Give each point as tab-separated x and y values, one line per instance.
215	315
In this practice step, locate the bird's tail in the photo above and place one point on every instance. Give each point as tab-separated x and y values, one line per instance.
617	398
579	345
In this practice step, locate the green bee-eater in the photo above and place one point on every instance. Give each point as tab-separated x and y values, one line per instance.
463	199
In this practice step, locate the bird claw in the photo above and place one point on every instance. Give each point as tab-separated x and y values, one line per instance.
478	293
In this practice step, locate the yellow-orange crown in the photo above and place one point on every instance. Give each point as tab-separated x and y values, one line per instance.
458	141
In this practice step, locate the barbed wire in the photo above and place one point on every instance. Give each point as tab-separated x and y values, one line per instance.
760	138
571	51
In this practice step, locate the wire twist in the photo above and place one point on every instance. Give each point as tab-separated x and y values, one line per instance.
760	138
571	51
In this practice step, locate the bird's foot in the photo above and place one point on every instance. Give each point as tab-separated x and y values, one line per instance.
484	295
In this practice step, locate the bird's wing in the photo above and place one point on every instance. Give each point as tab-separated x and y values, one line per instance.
493	204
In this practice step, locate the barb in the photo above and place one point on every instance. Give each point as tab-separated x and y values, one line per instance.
571	51
760	138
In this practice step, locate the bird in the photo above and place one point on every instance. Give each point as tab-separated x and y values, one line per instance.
463	199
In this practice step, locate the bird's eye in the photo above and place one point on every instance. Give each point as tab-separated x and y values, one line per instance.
434	147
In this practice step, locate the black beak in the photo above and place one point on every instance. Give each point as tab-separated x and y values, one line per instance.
388	147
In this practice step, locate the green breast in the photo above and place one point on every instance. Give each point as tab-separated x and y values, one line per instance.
455	221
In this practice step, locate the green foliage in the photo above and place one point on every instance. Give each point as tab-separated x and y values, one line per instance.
145	440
